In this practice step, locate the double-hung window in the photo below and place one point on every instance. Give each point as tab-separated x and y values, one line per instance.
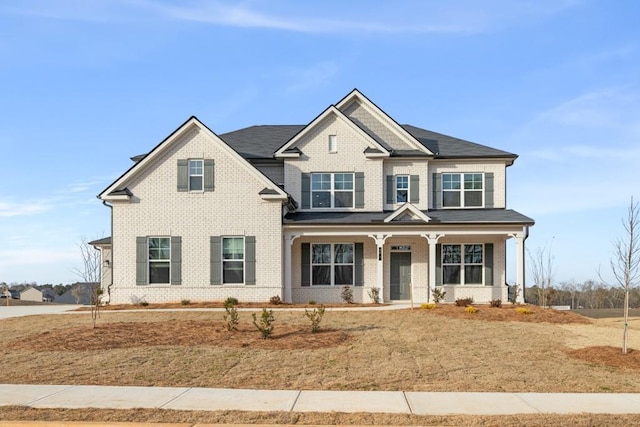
233	260
402	188
159	250
332	190
462	190
332	264
462	264
196	175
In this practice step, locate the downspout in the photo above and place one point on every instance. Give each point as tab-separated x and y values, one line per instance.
104	202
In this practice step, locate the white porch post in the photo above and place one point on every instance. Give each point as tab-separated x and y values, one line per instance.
432	239
288	244
520	237
379	239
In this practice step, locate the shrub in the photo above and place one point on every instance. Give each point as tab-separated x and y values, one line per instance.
185	302
471	309
315	317
347	294
143	303
231	318
374	294
427	306
523	310
463	302
495	303
438	294
312	302
265	325
275	300
230	301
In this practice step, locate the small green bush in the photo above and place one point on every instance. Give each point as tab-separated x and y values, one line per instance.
275	300
438	294
265	324
230	301
231	317
185	302
374	294
495	303
312	302
143	303
463	302
315	317
347	294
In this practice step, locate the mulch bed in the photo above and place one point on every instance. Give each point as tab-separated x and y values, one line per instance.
507	313
219	304
608	356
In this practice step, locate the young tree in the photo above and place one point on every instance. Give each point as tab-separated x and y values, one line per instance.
625	264
542	271
90	274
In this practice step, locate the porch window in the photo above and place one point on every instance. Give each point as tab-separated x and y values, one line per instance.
402	188
159	251
332	190
461	190
462	264
196	175
233	260
332	264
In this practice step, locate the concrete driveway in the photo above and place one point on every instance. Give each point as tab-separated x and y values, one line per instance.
33	310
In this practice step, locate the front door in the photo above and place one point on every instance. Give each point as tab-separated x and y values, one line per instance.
400	286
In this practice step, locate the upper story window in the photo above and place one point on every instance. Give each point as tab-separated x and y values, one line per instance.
462	190
159	251
402	188
333	143
196	175
332	190
462	264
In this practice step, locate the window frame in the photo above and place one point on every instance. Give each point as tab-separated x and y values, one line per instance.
462	191
224	260
332	190
191	175
333	143
406	189
151	261
463	264
333	264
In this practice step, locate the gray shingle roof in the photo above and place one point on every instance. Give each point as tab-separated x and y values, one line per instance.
441	216
263	141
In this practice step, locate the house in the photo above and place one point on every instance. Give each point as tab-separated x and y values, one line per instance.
351	199
78	293
31	294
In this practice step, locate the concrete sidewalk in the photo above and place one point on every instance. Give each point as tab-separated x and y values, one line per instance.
418	403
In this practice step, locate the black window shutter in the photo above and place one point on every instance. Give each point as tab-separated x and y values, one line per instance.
250	260
305	274
176	260
306	191
215	260
209	174
141	261
358	261
488	190
488	264
414	189
183	175
359	196
390	190
438	265
437	190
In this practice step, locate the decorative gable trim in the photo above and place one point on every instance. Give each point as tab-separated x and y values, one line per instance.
356	95
407	208
162	147
290	150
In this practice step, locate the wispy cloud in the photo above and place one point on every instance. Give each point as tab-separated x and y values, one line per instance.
16	209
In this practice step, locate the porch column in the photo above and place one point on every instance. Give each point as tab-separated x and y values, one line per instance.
379	239
432	239
288	244
520	256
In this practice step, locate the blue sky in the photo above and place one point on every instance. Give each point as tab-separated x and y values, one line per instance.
88	83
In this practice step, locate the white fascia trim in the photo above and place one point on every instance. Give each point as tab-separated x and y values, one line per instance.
118	198
384	117
407	207
411	230
340	115
273	197
288	155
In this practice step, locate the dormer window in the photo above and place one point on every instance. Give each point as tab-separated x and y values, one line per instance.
331	190
333	143
196	175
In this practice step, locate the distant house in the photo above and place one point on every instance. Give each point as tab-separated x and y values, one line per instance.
78	293
31	294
